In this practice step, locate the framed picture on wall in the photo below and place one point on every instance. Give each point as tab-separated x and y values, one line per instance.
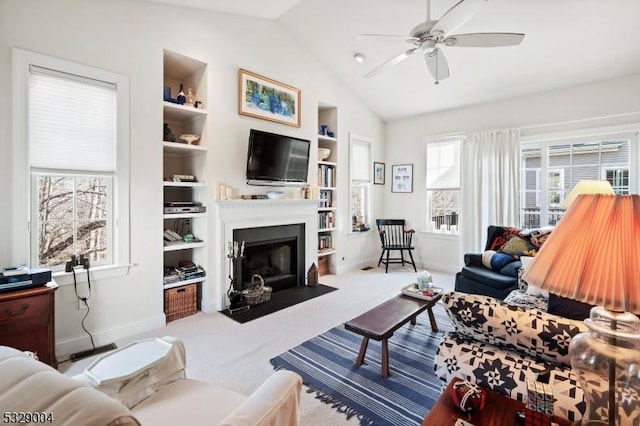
402	178
378	173
262	97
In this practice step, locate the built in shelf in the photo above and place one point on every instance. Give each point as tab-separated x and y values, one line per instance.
177	112
326	252
185	184
328	188
326	138
184	282
183	215
328	163
178	148
326	209
179	245
326	229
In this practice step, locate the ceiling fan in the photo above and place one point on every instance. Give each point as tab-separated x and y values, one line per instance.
428	37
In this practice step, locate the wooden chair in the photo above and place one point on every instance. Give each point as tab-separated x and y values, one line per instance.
394	236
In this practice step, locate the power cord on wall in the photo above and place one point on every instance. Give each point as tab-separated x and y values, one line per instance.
70	267
84	300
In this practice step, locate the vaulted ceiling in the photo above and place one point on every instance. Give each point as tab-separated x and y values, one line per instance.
566	43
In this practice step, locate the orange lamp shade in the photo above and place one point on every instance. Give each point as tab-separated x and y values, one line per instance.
593	254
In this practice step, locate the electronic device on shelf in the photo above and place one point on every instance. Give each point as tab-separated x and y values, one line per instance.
184	178
277	160
175	207
16	278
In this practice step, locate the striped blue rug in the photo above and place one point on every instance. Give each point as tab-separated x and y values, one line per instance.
327	366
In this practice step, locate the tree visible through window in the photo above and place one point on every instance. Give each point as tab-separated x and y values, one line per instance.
72	218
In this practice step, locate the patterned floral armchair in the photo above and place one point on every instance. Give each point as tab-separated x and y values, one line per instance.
499	346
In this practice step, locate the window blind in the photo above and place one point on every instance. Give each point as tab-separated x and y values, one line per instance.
72	122
360	163
443	164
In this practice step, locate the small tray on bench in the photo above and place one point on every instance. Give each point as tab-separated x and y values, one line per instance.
412	290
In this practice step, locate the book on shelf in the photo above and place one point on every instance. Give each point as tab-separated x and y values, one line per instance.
326	175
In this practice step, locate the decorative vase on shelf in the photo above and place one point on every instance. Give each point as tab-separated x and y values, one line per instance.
181	97
189	99
324	128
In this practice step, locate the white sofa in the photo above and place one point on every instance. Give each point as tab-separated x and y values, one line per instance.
158	395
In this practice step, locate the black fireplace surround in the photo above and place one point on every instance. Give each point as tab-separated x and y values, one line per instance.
276	253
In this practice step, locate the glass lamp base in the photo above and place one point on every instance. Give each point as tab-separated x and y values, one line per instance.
606	360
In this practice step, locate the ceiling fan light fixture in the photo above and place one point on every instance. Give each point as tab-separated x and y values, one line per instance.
359	57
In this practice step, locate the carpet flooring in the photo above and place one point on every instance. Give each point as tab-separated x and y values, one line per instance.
327	366
281	300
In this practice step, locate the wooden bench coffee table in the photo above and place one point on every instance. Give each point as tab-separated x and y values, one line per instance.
382	321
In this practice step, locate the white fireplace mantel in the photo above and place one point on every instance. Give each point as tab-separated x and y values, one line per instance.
238	214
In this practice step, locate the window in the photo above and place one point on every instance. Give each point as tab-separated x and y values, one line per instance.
76	131
562	164
556	184
360	183
618	177
74	217
443	183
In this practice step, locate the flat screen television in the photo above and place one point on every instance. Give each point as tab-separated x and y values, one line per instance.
277	160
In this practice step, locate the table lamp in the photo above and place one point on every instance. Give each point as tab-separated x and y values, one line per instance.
593	256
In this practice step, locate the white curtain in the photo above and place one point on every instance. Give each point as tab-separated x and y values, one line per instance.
489	190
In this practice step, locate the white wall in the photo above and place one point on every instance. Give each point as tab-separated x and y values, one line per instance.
405	143
128	37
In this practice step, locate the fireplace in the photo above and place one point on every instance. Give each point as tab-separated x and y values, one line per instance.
276	253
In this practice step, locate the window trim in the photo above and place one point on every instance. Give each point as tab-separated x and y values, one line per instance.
428	208
368	143
21	205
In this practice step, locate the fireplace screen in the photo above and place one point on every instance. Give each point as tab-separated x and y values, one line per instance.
271	261
276	253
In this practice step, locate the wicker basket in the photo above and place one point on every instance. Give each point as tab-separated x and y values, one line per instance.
180	302
257	292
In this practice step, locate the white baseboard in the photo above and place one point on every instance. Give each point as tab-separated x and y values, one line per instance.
104	337
354	266
209	308
451	269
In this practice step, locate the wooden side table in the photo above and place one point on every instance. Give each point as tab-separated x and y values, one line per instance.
27	321
499	410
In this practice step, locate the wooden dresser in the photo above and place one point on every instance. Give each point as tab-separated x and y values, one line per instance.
27	321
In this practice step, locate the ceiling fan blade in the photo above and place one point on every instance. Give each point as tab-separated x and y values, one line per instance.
385	37
437	64
484	39
393	61
458	15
